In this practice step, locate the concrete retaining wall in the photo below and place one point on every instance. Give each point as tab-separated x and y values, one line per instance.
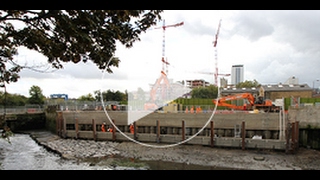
308	116
309	125
80	125
26	121
260	121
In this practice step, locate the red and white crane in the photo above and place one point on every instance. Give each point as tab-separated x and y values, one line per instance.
151	104
164	60
216	74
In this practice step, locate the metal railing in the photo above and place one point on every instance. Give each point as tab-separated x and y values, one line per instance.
21	109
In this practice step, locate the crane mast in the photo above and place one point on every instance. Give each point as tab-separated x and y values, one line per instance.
151	105
216	54
165	62
216	73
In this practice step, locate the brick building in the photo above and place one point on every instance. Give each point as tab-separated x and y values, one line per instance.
197	83
279	91
273	92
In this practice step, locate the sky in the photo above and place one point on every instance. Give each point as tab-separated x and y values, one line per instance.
272	45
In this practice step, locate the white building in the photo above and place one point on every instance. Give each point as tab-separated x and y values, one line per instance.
237	74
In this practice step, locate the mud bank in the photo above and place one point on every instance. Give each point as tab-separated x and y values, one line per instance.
304	159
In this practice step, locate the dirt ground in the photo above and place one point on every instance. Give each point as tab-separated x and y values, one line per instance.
249	159
304	159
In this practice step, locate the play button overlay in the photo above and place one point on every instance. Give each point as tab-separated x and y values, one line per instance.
162	91
161	94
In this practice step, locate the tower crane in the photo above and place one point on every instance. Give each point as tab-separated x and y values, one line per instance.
151	105
212	73
216	74
165	62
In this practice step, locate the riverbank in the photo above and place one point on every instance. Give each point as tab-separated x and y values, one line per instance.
304	159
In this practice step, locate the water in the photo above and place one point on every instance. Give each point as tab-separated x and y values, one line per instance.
25	154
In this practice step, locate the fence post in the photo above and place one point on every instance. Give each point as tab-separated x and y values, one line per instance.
113	131
183	130
243	135
77	128
288	138
94	129
64	127
297	135
293	136
211	133
135	131
58	124
158	131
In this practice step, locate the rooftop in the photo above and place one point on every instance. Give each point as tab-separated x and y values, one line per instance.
286	87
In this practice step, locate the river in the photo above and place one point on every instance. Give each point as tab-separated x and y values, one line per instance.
25	154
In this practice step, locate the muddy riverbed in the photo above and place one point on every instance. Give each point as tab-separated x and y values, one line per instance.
103	155
35	152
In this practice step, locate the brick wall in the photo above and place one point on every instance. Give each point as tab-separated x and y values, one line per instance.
287	94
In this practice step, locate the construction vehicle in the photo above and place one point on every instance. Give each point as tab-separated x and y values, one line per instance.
162	83
250	103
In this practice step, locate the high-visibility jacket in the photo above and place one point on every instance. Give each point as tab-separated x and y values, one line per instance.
191	110
131	129
103	129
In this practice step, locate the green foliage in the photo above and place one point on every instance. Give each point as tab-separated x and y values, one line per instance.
287	101
87	97
205	92
111	95
36	96
69	36
12	99
248	84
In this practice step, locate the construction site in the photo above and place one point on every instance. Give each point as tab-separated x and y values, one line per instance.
260	118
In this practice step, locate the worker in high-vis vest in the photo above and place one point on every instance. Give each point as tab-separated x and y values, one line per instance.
131	129
110	129
103	127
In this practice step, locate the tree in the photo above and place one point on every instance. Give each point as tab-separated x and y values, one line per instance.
205	92
69	36
87	97
110	95
36	96
248	84
12	99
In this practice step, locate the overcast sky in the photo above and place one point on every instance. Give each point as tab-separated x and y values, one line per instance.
272	46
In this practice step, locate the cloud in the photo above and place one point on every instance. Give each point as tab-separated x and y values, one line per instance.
299	28
273	45
252	25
